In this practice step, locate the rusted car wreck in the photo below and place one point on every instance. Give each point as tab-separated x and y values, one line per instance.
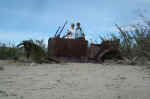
73	48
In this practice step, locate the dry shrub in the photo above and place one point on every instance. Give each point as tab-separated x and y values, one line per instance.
35	49
135	43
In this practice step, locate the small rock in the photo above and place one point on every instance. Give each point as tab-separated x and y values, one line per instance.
123	78
118	97
58	81
1	68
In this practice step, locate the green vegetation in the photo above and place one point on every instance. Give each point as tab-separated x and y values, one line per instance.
9	52
38	50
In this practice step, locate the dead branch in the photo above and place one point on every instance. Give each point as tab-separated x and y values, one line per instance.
57	31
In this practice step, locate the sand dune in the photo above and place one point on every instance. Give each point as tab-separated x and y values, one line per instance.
73	81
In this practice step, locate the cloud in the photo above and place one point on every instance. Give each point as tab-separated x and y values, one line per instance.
18	37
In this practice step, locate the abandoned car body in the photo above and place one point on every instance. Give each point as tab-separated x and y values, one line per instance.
61	47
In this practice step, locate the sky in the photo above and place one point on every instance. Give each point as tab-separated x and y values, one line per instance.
39	19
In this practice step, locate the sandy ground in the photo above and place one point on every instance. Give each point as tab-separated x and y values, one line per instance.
73	81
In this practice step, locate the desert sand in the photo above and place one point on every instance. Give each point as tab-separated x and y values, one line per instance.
73	81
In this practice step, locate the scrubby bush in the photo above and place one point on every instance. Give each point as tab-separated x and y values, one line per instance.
9	52
35	49
135	43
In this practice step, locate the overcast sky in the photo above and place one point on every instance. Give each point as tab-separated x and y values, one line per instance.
39	19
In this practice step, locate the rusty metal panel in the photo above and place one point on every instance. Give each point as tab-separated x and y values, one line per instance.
93	50
67	47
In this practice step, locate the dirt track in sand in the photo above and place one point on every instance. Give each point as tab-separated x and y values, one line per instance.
73	81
